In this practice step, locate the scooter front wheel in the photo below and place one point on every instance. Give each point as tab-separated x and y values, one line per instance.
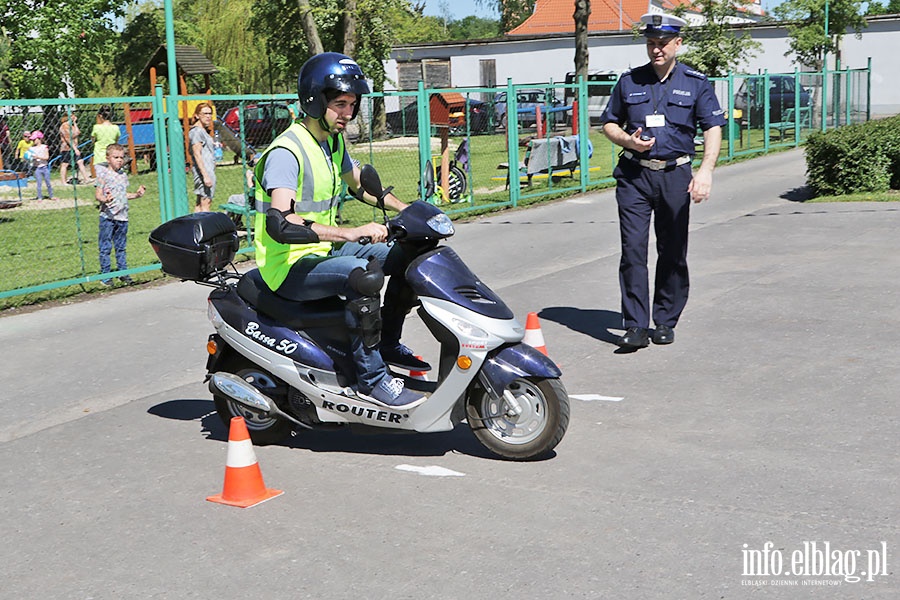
525	427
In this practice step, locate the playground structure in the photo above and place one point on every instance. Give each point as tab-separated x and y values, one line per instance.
189	62
448	110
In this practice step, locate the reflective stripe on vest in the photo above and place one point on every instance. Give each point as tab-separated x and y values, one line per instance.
318	194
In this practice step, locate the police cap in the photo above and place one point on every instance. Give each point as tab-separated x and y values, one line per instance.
658	25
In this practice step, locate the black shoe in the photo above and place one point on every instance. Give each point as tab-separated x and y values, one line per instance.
663	334
400	356
126	280
635	337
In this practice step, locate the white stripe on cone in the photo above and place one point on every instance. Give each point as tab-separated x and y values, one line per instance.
240	454
534	337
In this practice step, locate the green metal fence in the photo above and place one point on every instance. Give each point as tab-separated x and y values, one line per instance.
48	248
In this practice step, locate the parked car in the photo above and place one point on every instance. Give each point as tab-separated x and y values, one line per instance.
262	122
782	96
406	120
600	86
527	100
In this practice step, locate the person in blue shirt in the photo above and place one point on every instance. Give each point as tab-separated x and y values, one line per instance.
653	114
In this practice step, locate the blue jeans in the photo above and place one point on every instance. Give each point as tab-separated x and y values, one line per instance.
112	234
315	277
42	174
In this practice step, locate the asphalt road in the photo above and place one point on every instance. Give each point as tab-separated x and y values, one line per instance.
769	429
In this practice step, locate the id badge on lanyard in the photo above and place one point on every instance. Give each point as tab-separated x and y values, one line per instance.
656	119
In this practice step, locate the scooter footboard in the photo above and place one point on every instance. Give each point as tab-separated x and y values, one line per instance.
508	363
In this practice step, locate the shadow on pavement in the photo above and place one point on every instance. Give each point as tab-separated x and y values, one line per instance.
799	194
594	322
358	441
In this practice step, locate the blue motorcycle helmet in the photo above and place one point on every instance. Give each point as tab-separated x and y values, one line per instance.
328	71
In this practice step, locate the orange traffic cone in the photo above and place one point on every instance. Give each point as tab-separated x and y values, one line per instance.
244	485
533	335
418	374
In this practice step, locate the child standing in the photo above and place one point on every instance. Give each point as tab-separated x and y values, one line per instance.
40	158
25	144
112	194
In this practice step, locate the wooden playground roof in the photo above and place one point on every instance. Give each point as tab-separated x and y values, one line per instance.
188	59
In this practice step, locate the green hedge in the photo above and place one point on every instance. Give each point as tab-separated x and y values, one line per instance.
856	158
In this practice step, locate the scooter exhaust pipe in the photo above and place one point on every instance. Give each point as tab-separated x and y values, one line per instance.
248	396
241	392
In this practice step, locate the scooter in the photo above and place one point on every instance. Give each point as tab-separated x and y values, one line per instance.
286	366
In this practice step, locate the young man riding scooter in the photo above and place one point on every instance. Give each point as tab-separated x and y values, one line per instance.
301	252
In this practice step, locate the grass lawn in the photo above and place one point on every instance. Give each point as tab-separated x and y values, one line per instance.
888	196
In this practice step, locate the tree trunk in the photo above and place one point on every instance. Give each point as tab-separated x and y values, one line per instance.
581	16
350	27
309	28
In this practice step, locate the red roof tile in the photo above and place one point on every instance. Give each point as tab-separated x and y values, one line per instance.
557	16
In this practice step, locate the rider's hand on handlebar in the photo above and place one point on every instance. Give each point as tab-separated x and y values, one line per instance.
374	232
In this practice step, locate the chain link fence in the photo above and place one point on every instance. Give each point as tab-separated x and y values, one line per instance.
482	156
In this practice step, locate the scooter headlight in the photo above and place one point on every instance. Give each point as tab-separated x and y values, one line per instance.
441	224
469	330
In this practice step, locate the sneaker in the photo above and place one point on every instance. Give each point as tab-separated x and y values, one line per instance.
106	282
400	356
390	394
126	280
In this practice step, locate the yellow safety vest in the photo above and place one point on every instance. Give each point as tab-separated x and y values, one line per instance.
318	192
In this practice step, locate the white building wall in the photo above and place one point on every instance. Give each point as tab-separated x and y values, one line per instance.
544	59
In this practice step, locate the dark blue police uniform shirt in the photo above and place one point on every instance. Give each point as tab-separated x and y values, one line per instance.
687	99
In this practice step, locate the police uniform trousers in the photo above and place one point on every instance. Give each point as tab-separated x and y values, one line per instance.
640	193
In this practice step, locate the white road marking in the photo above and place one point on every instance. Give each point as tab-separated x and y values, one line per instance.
431	471
595	398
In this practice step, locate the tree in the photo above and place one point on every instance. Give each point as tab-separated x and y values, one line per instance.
713	47
225	38
349	23
806	27
891	7
5	45
474	28
512	12
57	48
329	26
581	16
411	26
144	32
219	28
310	29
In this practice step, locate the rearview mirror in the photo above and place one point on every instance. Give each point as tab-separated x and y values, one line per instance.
371	183
428	181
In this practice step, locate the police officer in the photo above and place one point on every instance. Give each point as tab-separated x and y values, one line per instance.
302	253
653	114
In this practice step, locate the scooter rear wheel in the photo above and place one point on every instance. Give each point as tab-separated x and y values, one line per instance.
532	433
263	429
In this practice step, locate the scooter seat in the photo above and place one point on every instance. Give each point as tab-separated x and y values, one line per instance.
327	312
